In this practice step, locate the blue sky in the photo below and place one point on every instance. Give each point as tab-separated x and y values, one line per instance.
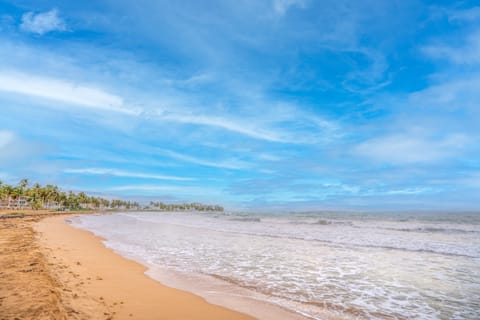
276	104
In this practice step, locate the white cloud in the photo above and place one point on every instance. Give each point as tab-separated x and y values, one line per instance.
411	148
42	23
6	138
471	180
61	90
152	188
14	150
95	98
7	178
127	174
292	126
268	157
282	6
467	15
226	124
456	93
407	191
91	97
467	53
192	81
169	189
233	164
28	70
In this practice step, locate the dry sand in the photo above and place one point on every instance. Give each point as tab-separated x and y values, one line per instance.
27	290
50	270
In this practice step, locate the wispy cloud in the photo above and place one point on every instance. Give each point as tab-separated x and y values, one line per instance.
226	124
91	97
14	150
61	90
406	191
466	53
465	15
127	174
178	191
455	93
6	137
281	6
410	148
279	124
470	180
232	164
43	22
154	187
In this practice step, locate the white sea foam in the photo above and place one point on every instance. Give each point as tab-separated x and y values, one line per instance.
359	266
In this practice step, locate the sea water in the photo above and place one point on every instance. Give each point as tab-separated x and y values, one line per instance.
316	264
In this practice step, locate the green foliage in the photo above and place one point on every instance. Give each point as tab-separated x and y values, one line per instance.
51	197
184	207
46	197
37	204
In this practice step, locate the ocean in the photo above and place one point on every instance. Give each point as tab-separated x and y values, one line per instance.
317	265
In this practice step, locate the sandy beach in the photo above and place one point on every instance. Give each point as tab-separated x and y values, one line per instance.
50	270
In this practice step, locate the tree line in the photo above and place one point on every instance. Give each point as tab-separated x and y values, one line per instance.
36	196
194	206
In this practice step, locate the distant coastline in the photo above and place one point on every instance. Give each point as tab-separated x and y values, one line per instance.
51	197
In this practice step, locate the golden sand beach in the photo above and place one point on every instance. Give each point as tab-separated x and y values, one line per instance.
50	270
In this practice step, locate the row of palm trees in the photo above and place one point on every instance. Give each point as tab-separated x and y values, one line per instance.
51	197
195	206
36	196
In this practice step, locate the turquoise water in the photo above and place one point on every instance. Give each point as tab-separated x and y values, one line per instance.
354	265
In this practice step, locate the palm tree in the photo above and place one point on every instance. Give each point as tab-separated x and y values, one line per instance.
82	199
15	194
8	195
3	191
72	201
38	196
23	183
34	196
50	195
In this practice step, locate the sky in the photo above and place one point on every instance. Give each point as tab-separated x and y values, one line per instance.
252	104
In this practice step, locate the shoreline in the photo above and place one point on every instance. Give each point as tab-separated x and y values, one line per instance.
212	291
51	269
216	291
100	284
219	290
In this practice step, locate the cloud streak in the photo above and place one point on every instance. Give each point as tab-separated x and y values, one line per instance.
43	22
197	192
468	53
126	174
6	137
62	91
233	164
411	148
281	6
225	124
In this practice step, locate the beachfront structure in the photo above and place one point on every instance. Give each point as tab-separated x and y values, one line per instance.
13	203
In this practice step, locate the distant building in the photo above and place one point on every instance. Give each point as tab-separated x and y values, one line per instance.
20	202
